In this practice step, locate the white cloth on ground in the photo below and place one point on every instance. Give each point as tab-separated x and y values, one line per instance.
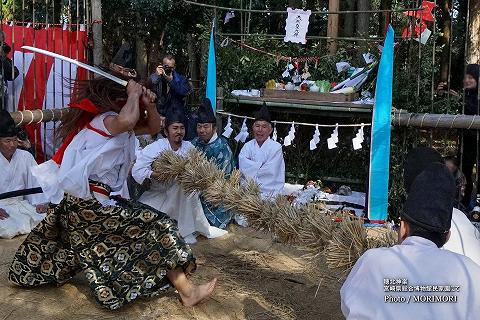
464	237
16	175
90	155
170	198
421	263
265	165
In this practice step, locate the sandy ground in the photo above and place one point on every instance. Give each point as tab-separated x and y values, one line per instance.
258	279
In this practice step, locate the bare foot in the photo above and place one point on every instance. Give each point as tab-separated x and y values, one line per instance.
198	294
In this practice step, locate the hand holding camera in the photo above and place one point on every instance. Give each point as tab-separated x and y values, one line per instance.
165	71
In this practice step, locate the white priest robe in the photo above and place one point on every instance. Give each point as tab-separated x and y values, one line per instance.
464	237
171	198
430	275
265	165
16	175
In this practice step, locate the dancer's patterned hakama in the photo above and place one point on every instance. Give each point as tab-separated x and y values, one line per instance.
124	248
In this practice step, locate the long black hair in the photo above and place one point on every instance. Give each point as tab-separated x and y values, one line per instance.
103	92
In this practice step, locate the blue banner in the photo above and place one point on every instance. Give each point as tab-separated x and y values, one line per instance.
381	126
212	71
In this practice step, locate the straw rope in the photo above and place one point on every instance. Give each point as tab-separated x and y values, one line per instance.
311	228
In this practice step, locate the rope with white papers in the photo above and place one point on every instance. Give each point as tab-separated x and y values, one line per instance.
287	140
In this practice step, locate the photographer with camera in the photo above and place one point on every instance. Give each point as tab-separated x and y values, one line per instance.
171	89
8	72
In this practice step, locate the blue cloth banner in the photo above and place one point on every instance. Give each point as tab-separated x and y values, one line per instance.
380	144
212	71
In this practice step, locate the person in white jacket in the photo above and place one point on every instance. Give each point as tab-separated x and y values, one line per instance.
261	159
170	197
18	215
416	278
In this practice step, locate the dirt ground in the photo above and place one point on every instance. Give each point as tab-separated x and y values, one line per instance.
258	279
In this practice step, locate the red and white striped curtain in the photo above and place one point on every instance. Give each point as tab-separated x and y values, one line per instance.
44	82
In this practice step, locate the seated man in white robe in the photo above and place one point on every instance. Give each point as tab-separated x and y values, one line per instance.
170	198
261	159
20	214
416	278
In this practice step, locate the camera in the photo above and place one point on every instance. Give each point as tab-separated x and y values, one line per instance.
168	70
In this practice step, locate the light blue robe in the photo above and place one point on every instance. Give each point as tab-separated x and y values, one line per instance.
218	151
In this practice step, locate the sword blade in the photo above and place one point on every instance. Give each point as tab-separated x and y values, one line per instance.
78	63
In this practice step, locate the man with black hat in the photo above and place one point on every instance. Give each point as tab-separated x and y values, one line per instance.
464	238
17	215
416	278
216	149
170	197
261	159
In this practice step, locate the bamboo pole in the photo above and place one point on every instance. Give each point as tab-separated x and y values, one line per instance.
400	118
37	116
431	120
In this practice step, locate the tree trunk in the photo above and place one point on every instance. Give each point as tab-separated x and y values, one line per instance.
97	32
332	31
384	18
445	25
363	18
192	62
141	55
349	19
473	52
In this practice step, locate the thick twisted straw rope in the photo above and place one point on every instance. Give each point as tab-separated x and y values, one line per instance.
311	228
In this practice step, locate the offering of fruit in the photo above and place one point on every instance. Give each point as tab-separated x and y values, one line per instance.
270	84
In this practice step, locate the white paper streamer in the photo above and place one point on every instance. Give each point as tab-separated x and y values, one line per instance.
287	141
333	140
315	139
274	135
228	16
359	138
228	128
243	134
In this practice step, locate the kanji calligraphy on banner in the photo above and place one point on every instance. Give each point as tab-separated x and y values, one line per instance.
297	25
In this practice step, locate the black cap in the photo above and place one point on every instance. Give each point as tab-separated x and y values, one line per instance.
263	114
430	201
125	56
205	112
417	160
174	115
7	125
123	63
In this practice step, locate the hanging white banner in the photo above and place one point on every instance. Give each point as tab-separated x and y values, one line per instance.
297	25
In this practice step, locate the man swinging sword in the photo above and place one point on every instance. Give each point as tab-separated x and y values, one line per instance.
125	249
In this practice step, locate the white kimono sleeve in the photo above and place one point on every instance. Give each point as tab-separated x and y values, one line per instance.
142	169
248	167
33	199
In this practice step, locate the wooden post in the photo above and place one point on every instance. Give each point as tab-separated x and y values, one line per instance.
97	32
473	52
332	31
